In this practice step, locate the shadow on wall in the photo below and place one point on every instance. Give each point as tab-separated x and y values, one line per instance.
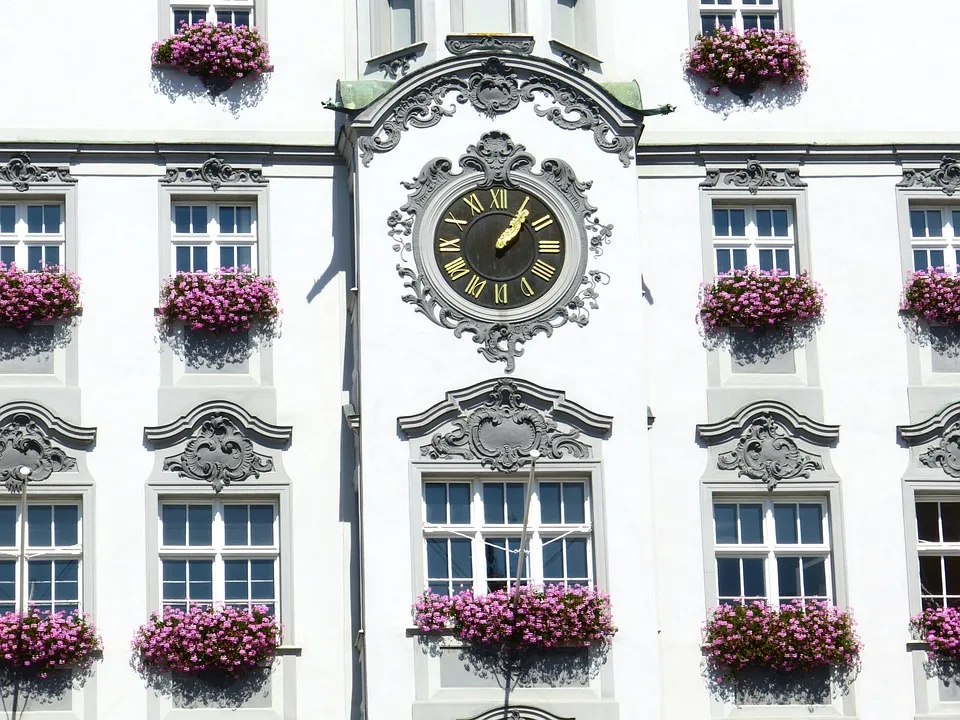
213	689
36	342
176	85
21	693
769	97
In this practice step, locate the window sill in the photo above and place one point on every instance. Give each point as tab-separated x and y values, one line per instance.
289	651
575	58
409	51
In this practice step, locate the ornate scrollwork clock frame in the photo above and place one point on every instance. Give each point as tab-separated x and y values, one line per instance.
496	160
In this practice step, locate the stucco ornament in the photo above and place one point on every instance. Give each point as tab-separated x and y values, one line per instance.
753	177
463	44
946	177
23	443
215	173
21	173
766	452
946	453
219	454
496	159
502	432
517	712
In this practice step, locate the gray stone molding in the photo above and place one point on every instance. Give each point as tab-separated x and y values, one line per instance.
772	443
753	177
946	177
494	84
935	443
501	335
517	712
499	422
214	172
22	173
459	45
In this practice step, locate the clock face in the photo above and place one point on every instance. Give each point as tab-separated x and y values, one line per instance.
499	248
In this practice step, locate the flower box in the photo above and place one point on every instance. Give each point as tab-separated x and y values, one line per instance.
939	629
227	641
37	297
752	299
932	296
39	642
799	637
217	53
744	61
548	617
228	301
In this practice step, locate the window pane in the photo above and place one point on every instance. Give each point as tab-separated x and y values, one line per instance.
721	223
728	576
788	570
918	223
227	257
723	261
766	260
402	23
565	21
34	218
235	579
8	569
764	223
461	562
183	259
199	213
550	502
783	260
435	498
811	523
950	520
497	560
261	524
754	584
751	524
936	258
200	580
261	580
725	521
768	22
738	223
739	259
51	219
785	518
200	525
244	219
956	222
437	558
65	524
174	519
200	259
66	588
180	17
34	258
235	524
576	557
931	581
487	16
174	579
8	218
516	495
227	219
51	255
241	18
39	522
780	223
439	588
39	577
553	560
493	503
814	577
181	218
934	224
244	256
951	574
8	525
928	525
8	254
573	503
460	503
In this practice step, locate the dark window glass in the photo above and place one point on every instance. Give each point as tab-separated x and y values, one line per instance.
51	255
550	502
811	523
65	519
738	223
814	577
721	223
931	580
8	525
725	521
227	259
8	218
460	503
435	497
928	522
183	259
8	254
200	525
728	576
739	259
200	259
493	503
261	525
516	495
751	523
34	258
576	557
754	584
235	519
918	223
785	518
174	519
950	520
39	526
244	256
788	571
437	558
34	218
723	261
574	503
181	219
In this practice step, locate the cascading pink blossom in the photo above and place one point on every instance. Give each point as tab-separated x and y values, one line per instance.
754	299
932	295
940	628
31	297
224	301
214	50
48	640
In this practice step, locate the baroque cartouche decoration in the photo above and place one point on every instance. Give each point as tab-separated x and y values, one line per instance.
517	712
502	432
219	454
946	177
21	173
215	173
463	44
23	443
946	453
753	177
767	452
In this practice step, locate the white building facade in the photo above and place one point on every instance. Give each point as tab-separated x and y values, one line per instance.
376	447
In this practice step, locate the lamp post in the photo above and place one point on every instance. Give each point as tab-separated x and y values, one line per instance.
24	472
534	456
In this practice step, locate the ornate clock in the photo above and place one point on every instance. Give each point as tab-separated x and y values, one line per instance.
500	250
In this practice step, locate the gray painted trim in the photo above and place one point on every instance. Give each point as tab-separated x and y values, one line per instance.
693	17
21	173
214	172
164	436
754	176
816	432
519	12
396	63
55	426
164	21
945	177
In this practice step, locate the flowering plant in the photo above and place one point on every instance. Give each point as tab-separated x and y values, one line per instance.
798	636
544	617
215	52
746	59
940	628
29	297
224	301
753	299
932	295
38	641
228	640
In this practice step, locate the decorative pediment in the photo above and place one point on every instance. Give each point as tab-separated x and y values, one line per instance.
498	423
30	436
214	172
517	712
935	442
770	443
753	177
22	173
946	177
219	446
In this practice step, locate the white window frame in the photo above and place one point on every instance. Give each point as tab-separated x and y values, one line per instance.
937	549
518	13
781	9
22	240
948	242
769	550
478	531
218	552
213	12
213	239
752	242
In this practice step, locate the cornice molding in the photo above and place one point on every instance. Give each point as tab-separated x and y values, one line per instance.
798	424
163	436
56	427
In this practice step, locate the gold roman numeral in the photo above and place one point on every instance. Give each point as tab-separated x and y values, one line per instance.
451	218
543	270
474	202
456	268
549	246
525	288
498	198
451	245
475	286
540	223
500	293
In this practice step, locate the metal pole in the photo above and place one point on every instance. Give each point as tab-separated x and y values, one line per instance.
534	456
24	473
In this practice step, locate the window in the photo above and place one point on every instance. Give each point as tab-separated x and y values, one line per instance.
487	16
53	554
935	238
472	534
403	23
754	235
772	550
32	234
573	24
235	12
211	236
740	14
938	537
223	553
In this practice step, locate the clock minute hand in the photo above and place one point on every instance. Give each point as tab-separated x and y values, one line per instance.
513	229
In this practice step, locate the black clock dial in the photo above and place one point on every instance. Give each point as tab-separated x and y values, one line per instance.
499	248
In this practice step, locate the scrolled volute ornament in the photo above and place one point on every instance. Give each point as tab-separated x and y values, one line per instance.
766	452
946	453
24	444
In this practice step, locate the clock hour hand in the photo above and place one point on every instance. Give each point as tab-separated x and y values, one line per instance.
513	229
